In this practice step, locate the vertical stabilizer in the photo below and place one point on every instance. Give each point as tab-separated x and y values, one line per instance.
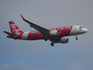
14	28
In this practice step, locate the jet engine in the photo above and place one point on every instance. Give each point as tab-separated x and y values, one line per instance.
64	40
53	32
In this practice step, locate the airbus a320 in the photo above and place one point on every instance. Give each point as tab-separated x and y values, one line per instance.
55	35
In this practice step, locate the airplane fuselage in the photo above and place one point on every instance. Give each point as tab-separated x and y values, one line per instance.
63	31
55	35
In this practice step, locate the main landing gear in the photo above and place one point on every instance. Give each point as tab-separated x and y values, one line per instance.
76	37
45	38
52	44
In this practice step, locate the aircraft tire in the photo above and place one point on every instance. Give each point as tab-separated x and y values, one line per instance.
76	38
52	44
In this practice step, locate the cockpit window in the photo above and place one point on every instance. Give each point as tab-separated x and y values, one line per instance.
80	27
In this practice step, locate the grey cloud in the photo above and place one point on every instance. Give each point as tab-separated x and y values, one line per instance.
76	66
17	66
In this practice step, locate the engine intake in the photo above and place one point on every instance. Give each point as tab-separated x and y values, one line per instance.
53	32
64	40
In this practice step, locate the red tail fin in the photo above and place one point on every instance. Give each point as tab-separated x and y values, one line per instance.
14	28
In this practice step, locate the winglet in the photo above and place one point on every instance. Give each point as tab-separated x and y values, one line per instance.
22	17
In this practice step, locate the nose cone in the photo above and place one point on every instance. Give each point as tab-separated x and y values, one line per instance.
85	30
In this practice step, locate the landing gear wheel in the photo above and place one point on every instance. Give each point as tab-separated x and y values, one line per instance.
52	44
76	38
45	39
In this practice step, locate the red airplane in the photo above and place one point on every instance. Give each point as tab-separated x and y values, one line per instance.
55	35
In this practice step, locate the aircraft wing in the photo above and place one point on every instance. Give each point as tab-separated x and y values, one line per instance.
43	31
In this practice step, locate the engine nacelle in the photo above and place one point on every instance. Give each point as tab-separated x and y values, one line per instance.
54	32
64	40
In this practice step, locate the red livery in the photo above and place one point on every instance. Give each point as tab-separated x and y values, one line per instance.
55	35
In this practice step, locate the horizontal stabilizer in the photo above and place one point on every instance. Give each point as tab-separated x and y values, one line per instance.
9	33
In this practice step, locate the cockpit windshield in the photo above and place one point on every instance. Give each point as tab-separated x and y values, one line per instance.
80	27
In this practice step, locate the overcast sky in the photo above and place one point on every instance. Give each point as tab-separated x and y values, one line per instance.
39	55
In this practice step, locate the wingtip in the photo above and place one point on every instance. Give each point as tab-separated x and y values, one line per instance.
22	17
4	31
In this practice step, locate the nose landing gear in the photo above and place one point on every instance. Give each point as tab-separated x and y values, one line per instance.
76	37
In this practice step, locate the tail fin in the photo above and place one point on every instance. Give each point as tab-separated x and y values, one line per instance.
14	28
